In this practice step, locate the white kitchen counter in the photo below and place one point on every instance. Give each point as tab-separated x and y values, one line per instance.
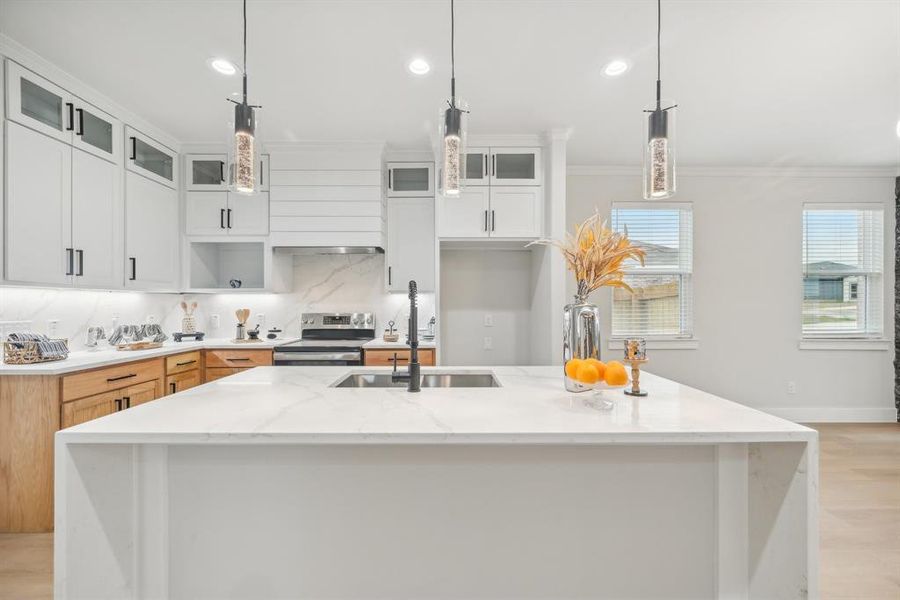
379	344
107	355
271	484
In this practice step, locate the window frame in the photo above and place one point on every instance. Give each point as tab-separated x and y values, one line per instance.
684	271
870	284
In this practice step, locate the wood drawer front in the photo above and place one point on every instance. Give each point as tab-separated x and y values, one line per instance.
140	393
380	358
220	372
179	363
89	383
182	381
241	359
87	409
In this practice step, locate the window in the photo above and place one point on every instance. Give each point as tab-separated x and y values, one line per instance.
842	270
661	304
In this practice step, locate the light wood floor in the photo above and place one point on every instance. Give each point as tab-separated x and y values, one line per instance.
860	522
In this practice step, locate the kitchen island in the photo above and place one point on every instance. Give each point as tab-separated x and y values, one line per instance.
274	483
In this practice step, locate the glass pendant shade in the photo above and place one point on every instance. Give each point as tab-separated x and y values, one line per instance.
244	159
454	121
659	150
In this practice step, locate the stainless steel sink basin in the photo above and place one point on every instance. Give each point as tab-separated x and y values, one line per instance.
429	380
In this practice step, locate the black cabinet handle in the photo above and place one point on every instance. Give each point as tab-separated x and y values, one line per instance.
133	148
390	179
70	261
493	165
222	171
80	112
127	402
121	377
484	172
237	359
118	404
80	254
493	221
389	275
229	218
187	362
222	218
261	163
133	269
485	221
173	387
71	124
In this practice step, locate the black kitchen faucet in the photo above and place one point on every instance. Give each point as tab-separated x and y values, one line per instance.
411	377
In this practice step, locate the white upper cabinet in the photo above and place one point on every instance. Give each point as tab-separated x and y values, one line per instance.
516	166
151	234
226	213
477	166
36	103
151	159
97	132
516	212
38	208
410	244
248	214
96	221
410	180
466	215
206	172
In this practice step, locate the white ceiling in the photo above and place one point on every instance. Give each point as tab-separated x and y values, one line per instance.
757	82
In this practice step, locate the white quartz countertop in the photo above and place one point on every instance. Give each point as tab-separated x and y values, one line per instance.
106	355
379	344
297	405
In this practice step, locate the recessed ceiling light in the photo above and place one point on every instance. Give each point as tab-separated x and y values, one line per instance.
614	68
418	66
222	65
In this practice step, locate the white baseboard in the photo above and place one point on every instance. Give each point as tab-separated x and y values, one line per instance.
823	414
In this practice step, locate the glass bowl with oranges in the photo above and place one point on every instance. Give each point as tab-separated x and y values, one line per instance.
594	374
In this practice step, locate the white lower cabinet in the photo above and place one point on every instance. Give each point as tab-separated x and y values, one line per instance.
466	215
96	221
226	213
151	234
516	212
38	208
410	244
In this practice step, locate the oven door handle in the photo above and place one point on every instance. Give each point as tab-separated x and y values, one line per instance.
302	356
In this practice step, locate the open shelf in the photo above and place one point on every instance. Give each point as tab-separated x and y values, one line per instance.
213	265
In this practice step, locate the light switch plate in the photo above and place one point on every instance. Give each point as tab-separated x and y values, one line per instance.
488	343
213	321
488	320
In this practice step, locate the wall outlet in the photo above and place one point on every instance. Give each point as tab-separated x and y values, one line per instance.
115	320
261	319
791	387
151	319
213	321
488	343
52	327
488	320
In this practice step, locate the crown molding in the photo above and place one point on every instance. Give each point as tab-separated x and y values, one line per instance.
751	171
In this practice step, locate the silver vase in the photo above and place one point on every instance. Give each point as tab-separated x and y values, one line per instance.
581	337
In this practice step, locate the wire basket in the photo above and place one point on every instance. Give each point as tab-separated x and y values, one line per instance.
28	353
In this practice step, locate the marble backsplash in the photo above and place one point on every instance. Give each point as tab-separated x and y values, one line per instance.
339	283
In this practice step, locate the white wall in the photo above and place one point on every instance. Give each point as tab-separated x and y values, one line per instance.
321	283
475	283
747	290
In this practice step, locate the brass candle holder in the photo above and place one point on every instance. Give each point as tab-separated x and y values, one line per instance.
635	355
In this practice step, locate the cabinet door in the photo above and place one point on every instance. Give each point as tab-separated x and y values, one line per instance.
410	179
150	158
89	408
410	244
36	103
151	234
466	215
516	166
97	132
182	381
248	214
140	393
516	212
205	213
477	167
38	208
96	221
206	172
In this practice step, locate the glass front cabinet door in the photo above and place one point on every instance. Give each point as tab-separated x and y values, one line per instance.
206	172
97	132
477	167
38	104
516	166
150	158
410	180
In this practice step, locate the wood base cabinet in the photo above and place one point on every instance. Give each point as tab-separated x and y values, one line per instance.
385	358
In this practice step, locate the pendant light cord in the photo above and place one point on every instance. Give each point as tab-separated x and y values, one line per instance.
452	53
658	52
245	51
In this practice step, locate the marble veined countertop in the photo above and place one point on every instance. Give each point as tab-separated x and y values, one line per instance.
106	355
298	405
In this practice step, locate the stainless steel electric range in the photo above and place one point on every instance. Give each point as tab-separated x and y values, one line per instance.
328	339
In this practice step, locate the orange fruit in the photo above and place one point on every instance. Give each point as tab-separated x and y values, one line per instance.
601	366
587	373
572	367
615	373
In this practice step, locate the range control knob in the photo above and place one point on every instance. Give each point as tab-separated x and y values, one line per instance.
355	321
369	320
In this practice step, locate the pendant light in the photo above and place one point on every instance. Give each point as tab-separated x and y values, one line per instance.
453	127
243	147
659	136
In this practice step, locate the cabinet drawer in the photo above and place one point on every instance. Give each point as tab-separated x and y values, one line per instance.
182	381
220	372
379	358
238	358
180	363
89	383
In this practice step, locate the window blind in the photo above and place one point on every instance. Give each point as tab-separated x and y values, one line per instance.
843	264
661	305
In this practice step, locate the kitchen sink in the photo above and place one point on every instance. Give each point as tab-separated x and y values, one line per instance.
429	380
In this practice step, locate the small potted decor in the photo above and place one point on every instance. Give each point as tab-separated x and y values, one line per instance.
595	253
